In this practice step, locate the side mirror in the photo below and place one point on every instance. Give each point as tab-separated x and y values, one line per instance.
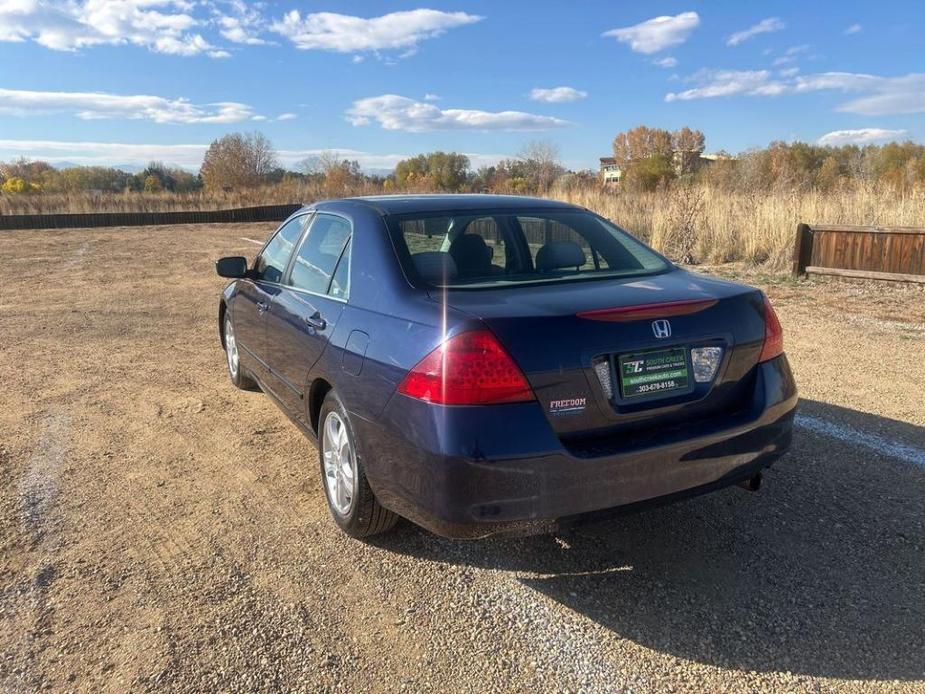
232	266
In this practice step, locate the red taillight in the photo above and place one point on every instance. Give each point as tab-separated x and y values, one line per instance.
468	369
773	334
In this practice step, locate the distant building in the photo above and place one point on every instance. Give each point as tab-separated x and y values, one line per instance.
683	162
691	162
610	172
719	156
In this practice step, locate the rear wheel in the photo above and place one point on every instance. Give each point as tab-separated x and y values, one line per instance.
352	503
233	359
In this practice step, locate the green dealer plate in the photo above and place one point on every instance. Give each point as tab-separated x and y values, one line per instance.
653	373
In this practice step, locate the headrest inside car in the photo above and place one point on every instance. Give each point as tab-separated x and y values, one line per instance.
559	254
435	266
472	254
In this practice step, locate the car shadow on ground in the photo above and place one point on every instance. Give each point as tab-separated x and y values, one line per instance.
822	572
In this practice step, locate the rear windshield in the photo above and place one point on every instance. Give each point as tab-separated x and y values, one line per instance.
489	249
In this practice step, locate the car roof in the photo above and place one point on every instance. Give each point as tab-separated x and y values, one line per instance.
410	204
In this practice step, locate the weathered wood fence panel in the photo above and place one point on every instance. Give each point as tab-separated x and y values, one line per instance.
264	213
882	253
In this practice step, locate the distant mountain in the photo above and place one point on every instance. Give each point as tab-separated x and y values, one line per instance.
135	168
128	168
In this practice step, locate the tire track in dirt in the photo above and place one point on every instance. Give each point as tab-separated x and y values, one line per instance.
38	487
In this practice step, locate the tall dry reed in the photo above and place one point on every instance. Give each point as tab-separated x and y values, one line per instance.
714	226
698	224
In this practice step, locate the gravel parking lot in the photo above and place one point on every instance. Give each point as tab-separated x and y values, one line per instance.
161	530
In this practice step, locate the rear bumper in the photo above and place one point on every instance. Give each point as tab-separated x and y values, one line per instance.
472	472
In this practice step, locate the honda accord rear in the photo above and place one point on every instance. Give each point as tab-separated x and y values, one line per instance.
490	364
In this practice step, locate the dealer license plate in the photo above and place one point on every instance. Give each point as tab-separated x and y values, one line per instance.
653	373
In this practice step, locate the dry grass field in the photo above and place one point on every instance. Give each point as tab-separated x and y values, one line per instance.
713	226
696	223
160	530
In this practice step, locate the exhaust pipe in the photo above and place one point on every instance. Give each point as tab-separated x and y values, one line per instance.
752	484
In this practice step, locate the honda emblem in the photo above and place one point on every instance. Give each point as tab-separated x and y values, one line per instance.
661	328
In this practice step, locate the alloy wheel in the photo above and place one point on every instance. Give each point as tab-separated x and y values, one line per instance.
231	349
339	464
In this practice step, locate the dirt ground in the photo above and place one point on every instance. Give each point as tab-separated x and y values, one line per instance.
161	530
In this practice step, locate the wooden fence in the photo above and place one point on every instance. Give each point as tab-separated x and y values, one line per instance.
265	213
888	253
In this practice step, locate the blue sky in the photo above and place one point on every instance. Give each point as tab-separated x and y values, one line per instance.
124	81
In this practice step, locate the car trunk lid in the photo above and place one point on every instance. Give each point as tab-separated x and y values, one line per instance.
569	339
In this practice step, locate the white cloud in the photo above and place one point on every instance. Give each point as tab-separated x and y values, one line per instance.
853	29
667	62
878	96
863	136
104	153
889	96
162	26
765	26
286	116
394	112
714	83
477	161
658	33
329	31
243	25
840	81
791	55
557	95
187	155
179	27
101	105
431	97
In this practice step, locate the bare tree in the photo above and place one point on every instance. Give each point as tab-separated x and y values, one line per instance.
340	175
543	162
319	163
262	154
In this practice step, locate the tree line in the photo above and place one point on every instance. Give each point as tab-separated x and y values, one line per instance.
24	176
798	166
648	158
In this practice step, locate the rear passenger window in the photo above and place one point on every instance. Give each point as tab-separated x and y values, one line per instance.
426	235
274	258
317	258
539	231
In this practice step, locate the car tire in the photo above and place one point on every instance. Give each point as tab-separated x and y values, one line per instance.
350	499
236	372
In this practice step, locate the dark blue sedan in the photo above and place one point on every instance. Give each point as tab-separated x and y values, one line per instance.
489	364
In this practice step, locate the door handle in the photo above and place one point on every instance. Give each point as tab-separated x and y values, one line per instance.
262	307
316	321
